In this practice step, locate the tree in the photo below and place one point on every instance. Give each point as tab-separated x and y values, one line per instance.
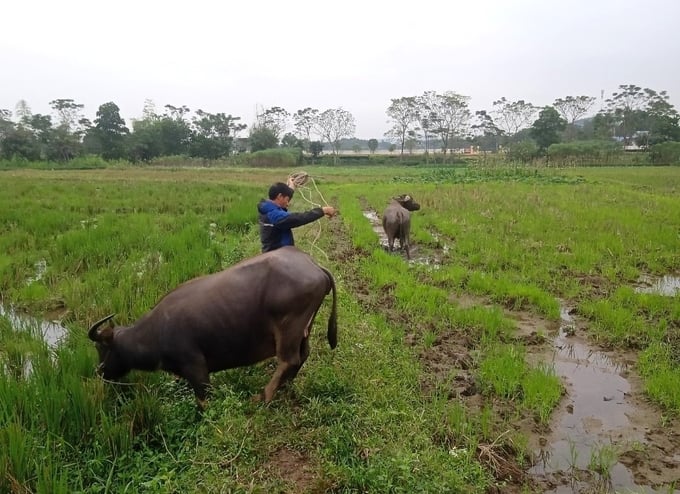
19	142
213	134
450	116
68	113
304	122
5	122
109	131
145	141
633	109
403	114
290	141
262	138
512	116
486	132
571	109
174	132
315	148
22	111
426	117
546	129
334	124
372	145
411	141
275	119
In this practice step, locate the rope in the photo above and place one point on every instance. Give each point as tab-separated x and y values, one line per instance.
298	181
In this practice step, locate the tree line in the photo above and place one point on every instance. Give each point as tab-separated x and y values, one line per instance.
431	121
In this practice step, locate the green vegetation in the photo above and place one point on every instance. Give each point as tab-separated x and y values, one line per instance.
389	409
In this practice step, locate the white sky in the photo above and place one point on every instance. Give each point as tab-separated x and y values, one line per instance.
235	57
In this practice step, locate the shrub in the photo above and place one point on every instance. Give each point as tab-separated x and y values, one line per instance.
666	153
274	158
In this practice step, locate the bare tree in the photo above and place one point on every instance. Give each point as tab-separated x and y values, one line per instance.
23	111
334	124
513	116
425	117
304	121
451	117
403	114
275	119
572	108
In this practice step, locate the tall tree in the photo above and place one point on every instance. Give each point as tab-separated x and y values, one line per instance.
571	108
334	124
512	116
486	133
214	134
633	109
68	113
109	131
23	111
451	117
275	119
372	145
304	121
426	117
403	113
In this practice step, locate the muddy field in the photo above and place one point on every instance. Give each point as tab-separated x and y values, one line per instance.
603	409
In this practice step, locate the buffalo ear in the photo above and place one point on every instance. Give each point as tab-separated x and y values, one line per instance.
106	335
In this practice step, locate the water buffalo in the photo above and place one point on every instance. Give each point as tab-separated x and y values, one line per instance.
259	308
396	221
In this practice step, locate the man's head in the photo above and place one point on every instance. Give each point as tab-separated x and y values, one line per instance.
281	194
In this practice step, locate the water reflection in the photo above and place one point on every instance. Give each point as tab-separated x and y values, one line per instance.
668	285
597	411
50	331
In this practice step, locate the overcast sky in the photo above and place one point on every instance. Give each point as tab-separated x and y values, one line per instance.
237	56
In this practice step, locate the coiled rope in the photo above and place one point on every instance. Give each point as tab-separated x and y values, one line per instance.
298	181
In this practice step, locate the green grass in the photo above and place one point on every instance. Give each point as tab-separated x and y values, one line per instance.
375	415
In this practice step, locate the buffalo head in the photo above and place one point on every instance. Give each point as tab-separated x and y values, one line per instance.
111	365
407	202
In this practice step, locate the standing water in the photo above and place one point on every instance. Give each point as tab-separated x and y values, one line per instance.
51	331
597	421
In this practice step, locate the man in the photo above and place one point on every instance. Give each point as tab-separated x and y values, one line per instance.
276	223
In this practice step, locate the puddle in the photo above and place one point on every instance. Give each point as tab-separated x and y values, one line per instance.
40	269
668	285
376	223
51	331
595	417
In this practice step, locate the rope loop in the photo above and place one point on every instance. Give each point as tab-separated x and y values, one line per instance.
298	181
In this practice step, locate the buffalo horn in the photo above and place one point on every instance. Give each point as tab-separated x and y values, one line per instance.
93	333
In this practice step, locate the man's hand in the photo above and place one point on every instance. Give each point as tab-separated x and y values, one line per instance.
329	211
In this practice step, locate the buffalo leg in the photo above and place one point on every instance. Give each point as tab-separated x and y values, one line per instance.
293	371
199	379
283	370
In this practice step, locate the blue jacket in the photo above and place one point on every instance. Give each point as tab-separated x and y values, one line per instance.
276	224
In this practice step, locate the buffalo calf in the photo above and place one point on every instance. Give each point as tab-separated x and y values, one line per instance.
396	221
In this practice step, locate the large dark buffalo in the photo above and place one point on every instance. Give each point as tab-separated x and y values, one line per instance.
259	308
396	221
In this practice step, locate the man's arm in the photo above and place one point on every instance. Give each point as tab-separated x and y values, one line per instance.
287	220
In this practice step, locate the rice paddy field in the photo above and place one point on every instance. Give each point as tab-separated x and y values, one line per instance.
447	376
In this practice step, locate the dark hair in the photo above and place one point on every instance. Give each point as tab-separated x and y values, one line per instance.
280	188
